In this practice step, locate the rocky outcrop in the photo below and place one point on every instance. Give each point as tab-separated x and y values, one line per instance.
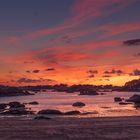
16	112
15	108
33	103
135	98
3	106
117	99
50	112
41	118
75	112
16	105
124	103
78	104
13	91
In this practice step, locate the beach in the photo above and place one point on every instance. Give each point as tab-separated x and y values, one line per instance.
106	128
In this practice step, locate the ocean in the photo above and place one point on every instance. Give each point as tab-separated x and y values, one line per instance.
98	106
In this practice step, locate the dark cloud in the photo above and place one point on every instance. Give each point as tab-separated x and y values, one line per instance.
118	72
136	72
10	72
106	76
92	72
91	76
66	39
50	69
28	62
36	71
27	80
28	71
137	55
32	71
132	42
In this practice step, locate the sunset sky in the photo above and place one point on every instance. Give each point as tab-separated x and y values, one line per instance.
69	41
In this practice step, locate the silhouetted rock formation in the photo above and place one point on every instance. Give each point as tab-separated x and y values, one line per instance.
34	103
17	111
78	104
14	108
16	105
135	98
50	112
12	91
75	112
124	103
41	118
117	99
3	106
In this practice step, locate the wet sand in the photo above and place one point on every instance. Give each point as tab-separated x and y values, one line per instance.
117	128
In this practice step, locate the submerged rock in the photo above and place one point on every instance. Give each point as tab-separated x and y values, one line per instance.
34	103
78	104
3	106
124	103
41	118
89	113
16	105
75	112
117	99
50	112
17	112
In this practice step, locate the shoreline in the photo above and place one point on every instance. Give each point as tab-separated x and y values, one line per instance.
104	128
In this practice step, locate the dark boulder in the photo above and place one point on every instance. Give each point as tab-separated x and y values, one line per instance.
135	98
16	105
78	104
117	99
75	112
17	112
88	113
50	112
34	103
124	103
137	105
3	106
41	118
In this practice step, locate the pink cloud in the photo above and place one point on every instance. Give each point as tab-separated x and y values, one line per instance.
120	28
13	40
82	10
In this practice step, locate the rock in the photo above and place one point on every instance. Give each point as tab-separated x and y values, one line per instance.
88	92
3	106
124	103
102	94
137	105
79	104
117	99
75	112
17	112
41	118
34	103
50	112
135	98
12	91
88	113
16	105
